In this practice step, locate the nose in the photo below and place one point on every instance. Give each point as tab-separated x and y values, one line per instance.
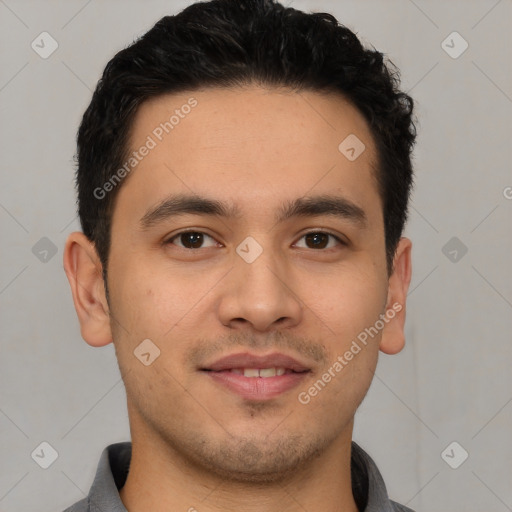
260	294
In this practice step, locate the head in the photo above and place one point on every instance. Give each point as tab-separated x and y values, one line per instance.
292	144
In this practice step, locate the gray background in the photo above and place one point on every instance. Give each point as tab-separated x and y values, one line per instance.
451	383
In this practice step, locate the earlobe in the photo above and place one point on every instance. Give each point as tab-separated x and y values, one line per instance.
393	337
84	272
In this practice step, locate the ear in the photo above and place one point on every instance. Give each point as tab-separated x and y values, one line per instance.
393	338
84	271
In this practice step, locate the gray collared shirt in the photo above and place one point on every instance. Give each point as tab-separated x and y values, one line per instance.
367	484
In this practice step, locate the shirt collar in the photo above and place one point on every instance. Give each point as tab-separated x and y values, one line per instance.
367	483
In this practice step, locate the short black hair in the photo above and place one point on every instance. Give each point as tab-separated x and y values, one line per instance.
229	43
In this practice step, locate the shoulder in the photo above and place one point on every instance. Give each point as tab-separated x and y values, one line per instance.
79	506
400	508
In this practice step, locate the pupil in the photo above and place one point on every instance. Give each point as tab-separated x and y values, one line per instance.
315	238
195	239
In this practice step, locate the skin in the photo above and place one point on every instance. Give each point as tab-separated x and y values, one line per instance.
196	444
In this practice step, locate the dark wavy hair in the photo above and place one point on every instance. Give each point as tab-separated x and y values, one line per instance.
227	43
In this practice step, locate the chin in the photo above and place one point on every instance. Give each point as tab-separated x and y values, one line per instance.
258	461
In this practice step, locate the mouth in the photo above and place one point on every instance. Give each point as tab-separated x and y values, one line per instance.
257	377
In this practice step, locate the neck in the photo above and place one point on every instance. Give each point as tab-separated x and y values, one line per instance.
161	479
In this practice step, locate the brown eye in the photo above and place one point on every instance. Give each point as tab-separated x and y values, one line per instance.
320	240
190	239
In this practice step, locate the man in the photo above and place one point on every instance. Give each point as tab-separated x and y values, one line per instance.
243	179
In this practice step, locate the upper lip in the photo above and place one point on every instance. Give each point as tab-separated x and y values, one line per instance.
247	360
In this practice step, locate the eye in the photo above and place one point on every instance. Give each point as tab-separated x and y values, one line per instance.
191	239
320	240
195	239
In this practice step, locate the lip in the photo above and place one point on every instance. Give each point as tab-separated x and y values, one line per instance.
256	388
247	360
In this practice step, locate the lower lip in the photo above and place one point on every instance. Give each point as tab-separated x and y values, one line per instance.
257	388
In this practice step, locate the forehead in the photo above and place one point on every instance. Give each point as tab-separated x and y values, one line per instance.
252	146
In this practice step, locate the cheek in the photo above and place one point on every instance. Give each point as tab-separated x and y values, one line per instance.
350	306
148	303
346	303
170	309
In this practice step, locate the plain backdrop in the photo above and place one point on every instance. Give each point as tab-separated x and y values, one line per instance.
452	382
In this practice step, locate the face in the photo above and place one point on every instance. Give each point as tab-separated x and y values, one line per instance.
255	278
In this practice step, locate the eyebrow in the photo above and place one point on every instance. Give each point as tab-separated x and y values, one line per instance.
309	206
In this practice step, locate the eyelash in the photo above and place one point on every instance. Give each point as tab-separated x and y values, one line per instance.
170	240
